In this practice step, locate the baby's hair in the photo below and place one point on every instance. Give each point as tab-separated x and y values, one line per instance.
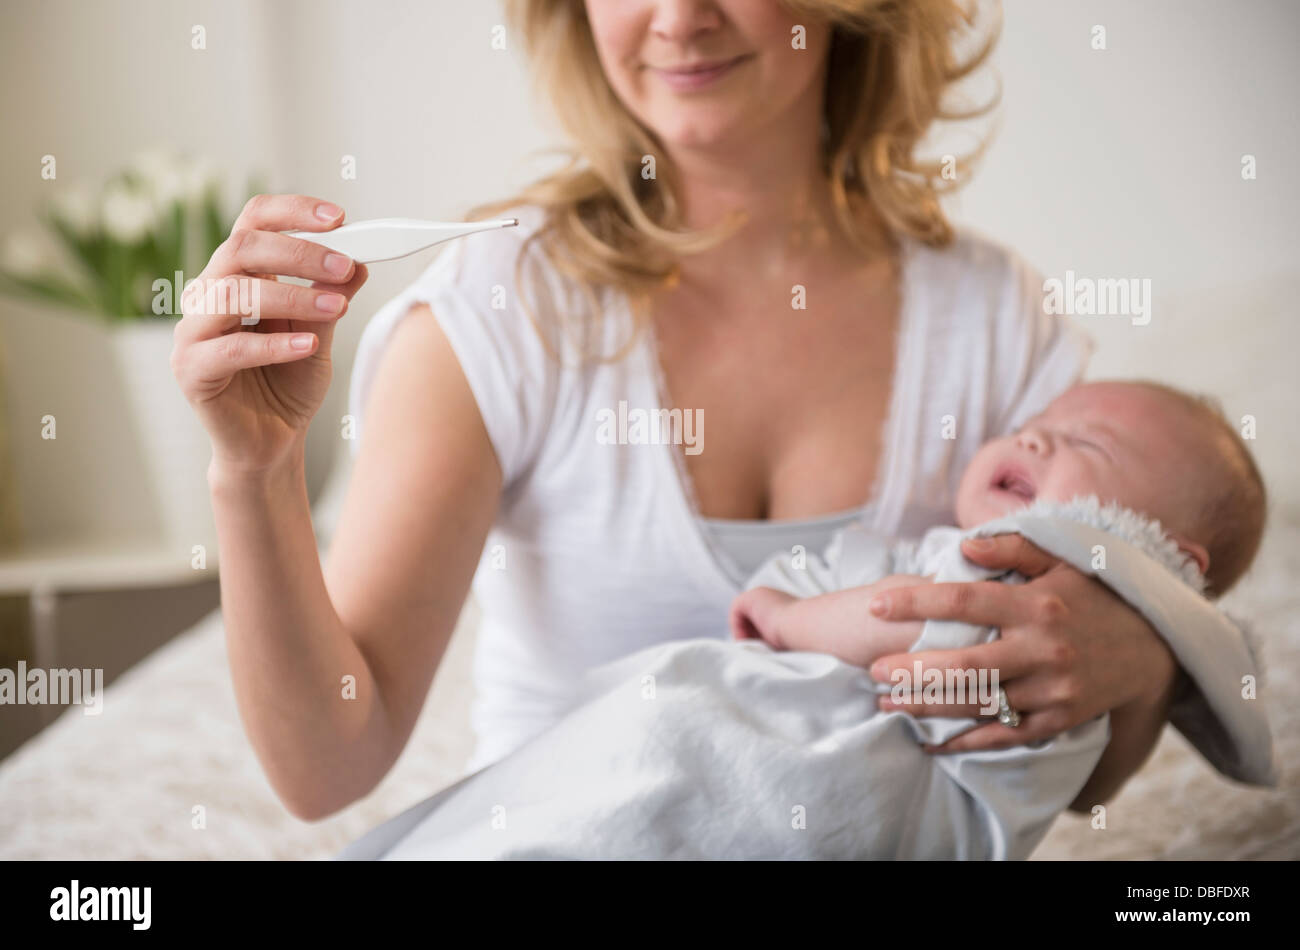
1231	519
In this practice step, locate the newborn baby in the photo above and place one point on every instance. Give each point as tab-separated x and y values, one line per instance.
1142	446
774	747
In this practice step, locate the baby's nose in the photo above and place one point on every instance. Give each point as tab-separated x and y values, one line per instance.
1034	440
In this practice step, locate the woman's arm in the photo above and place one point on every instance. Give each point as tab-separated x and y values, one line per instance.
1135	729
1069	650
422	497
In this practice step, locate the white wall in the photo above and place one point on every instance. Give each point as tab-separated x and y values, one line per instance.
91	83
436	120
1115	163
1127	163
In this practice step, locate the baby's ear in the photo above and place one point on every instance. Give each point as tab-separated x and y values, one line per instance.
1195	551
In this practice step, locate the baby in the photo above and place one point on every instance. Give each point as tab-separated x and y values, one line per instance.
1143	446
774	747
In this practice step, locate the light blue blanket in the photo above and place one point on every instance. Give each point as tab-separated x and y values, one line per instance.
715	749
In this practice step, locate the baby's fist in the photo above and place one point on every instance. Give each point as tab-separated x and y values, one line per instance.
755	615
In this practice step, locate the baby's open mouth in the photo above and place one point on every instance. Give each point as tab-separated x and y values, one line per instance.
1013	481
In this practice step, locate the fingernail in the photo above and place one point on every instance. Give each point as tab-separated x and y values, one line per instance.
328	212
301	341
330	303
879	670
979	544
337	264
878	605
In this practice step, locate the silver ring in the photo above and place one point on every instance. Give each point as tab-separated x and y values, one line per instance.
1007	714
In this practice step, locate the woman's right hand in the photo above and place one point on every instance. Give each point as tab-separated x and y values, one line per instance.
255	387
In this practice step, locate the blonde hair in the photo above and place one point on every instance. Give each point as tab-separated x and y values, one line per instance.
890	64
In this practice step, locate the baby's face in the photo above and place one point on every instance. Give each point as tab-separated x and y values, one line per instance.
1121	442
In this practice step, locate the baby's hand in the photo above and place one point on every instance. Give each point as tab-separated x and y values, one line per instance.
755	615
837	623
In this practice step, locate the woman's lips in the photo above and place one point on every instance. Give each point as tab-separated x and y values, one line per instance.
688	79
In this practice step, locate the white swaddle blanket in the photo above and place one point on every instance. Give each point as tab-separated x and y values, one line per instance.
719	749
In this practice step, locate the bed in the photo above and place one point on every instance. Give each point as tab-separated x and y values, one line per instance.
167	773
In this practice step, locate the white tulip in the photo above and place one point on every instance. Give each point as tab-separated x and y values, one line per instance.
168	187
199	175
155	163
162	174
78	209
128	214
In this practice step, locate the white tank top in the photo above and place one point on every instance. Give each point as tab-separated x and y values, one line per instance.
598	549
742	545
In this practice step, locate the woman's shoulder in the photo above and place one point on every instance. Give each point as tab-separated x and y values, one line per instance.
974	263
477	262
975	291
514	272
979	307
497	327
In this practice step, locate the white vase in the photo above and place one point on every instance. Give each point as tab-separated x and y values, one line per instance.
175	448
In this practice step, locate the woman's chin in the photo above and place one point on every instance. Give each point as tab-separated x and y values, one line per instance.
699	128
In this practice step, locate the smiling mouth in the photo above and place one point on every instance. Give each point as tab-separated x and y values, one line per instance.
1013	482
702	74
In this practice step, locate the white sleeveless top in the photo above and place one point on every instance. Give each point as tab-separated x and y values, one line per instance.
743	545
598	549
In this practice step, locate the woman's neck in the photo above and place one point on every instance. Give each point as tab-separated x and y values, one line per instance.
776	180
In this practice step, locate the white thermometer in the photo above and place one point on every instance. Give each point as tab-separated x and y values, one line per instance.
386	239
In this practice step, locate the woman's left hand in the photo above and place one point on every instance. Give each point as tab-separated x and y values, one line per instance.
1069	648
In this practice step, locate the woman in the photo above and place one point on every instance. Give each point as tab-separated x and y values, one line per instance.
847	349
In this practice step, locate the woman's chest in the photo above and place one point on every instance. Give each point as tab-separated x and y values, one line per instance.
793	401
